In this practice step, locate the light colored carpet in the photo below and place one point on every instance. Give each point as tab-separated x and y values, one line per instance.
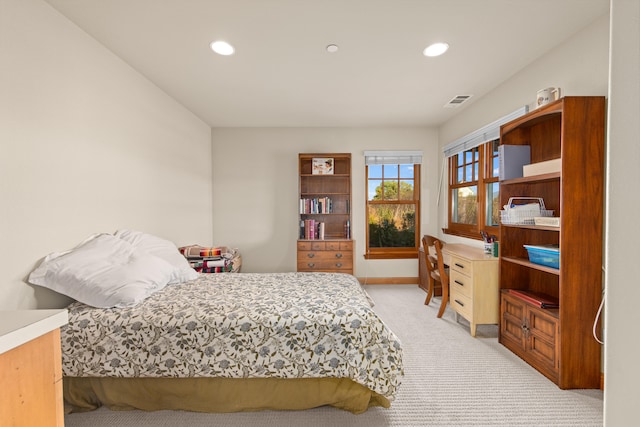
451	379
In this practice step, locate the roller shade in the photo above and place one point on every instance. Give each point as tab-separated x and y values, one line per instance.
486	133
392	157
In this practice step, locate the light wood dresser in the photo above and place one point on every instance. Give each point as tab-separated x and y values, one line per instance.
31	368
473	284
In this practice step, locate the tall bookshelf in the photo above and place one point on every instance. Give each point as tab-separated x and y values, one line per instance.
324	209
558	342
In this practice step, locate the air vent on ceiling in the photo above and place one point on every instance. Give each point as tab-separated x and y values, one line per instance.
457	101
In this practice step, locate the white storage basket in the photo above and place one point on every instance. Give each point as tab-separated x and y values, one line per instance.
524	214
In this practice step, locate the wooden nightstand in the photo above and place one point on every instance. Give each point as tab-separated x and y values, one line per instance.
473	285
31	368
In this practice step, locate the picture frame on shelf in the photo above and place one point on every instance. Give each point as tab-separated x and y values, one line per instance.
322	166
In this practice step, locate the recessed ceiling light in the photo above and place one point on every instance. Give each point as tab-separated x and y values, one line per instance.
222	48
332	48
436	49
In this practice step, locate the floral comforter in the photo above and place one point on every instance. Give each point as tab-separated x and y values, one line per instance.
239	325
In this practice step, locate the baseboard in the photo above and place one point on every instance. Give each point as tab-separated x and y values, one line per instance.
388	280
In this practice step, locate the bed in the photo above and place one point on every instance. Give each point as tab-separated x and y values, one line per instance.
148	332
234	342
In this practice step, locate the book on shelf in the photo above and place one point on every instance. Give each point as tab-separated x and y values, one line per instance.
312	229
536	298
318	205
309	226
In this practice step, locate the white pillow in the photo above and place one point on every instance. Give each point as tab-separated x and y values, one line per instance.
103	271
162	248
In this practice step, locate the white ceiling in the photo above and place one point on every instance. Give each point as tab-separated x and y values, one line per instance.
281	74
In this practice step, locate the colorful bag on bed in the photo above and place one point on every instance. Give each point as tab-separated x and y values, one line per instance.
212	259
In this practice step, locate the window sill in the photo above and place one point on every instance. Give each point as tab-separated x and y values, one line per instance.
393	254
467	234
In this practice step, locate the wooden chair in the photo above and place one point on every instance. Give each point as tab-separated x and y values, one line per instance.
433	285
443	276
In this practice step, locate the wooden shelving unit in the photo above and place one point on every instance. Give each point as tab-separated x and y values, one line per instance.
333	251
559	341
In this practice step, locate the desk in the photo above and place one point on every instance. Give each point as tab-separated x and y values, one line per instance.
473	284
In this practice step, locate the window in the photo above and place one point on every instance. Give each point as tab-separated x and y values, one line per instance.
474	187
393	207
474	191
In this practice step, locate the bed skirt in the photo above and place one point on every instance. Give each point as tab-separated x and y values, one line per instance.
217	394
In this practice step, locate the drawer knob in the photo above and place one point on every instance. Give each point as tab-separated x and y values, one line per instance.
460	303
311	255
338	255
459	283
311	265
338	264
459	265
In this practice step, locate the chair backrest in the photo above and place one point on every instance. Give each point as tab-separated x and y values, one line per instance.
442	271
431	259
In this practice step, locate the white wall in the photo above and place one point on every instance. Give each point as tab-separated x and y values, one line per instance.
256	193
255	201
86	145
622	348
579	66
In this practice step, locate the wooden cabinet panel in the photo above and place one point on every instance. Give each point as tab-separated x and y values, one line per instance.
512	322
543	344
531	333
31	378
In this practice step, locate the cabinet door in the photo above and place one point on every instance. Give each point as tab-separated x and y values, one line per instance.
512	331
543	340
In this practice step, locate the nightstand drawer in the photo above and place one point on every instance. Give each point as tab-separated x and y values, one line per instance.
324	264
339	246
325	245
310	245
325	256
460	284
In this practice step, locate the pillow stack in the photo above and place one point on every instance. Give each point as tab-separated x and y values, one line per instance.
119	270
